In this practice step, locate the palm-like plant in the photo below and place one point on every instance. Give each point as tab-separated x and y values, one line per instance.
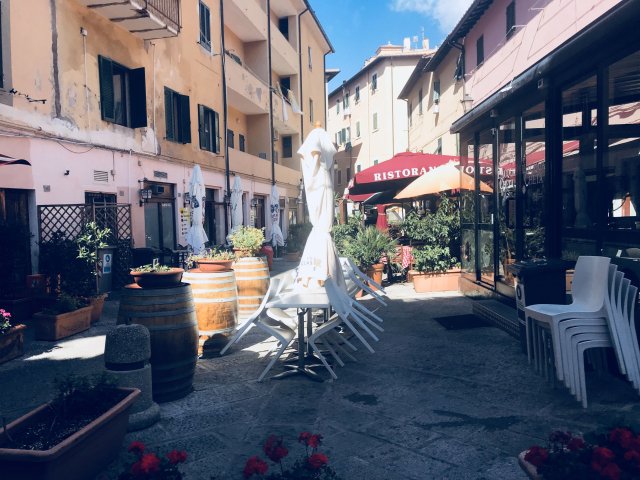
369	246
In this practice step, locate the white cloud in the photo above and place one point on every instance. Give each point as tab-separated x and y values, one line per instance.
446	12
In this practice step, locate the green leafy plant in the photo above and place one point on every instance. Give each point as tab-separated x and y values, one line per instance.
151	268
342	233
5	321
64	303
313	465
90	240
433	259
248	238
298	234
211	254
369	246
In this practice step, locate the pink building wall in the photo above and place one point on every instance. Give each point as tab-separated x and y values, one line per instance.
541	27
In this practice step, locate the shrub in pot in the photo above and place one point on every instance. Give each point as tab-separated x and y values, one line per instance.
89	242
156	275
247	241
368	247
212	260
67	316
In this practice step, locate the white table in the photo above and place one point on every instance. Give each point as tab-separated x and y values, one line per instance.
305	302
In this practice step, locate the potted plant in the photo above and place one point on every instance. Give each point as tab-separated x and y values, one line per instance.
89	242
11	338
247	241
156	275
438	233
212	260
67	316
297	239
367	249
73	437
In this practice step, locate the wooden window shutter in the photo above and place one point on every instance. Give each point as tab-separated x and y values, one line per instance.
107	104
138	98
204	140
168	112
184	120
216	131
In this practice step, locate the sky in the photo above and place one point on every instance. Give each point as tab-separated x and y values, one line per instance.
356	28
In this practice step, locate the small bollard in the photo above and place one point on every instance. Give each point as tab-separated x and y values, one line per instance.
126	356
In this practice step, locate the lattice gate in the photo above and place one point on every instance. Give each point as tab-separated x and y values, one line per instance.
68	221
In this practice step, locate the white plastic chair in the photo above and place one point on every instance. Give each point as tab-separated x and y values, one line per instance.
354	274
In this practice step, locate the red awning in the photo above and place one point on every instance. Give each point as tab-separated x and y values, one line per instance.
395	173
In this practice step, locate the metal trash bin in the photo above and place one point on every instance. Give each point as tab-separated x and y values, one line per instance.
105	269
537	281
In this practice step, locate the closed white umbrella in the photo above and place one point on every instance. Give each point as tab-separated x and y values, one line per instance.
196	236
319	259
236	204
277	239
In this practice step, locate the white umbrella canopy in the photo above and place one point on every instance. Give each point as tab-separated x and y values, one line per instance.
236	204
319	259
277	239
196	236
441	179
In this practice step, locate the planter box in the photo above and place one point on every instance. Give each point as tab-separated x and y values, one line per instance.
435	282
528	468
55	327
81	456
12	343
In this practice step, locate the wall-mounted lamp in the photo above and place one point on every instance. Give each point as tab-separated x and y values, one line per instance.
467	102
145	195
254	202
187	198
67	172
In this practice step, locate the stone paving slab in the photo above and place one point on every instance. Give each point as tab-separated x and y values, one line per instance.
430	403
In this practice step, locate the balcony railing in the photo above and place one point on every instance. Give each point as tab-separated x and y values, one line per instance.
169	9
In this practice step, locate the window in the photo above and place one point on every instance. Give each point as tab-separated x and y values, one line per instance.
123	96
345	100
205	26
230	138
357	129
285	85
436	92
439	147
511	18
338	106
241	143
311	110
338	177
338	138
357	96
283	26
480	51
348	137
177	118
287	146
209	129
374	82
309	54
375	121
375	162
343	136
420	102
409	112
358	168
348	174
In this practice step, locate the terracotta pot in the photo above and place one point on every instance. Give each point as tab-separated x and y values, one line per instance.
97	305
82	455
12	343
54	327
435	282
529	469
210	266
375	273
243	252
170	278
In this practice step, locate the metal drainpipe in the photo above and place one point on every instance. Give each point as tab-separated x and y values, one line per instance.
273	149
224	120
393	120
300	74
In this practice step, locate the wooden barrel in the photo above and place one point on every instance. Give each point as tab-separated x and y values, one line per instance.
170	316
252	278
215	295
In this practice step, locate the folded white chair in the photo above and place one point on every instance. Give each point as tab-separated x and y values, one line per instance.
322	332
349	266
588	301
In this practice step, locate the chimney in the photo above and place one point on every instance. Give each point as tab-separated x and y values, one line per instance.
425	44
406	43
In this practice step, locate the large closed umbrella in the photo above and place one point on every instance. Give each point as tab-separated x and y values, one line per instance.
319	258
236	204
381	221
277	239
441	179
196	236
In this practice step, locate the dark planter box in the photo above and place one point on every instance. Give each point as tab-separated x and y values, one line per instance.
12	343
79	457
54	327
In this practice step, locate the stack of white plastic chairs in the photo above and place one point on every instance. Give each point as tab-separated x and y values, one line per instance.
601	315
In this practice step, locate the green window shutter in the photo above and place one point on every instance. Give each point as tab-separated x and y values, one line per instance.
138	98
201	129
107	104
184	121
216	132
168	112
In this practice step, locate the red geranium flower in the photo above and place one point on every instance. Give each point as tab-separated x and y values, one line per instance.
255	465
176	457
621	436
303	437
632	456
603	455
314	441
575	443
275	449
318	460
136	447
611	472
537	455
148	463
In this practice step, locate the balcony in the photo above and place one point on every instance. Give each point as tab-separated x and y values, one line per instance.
284	59
246	92
246	19
146	19
246	164
289	126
